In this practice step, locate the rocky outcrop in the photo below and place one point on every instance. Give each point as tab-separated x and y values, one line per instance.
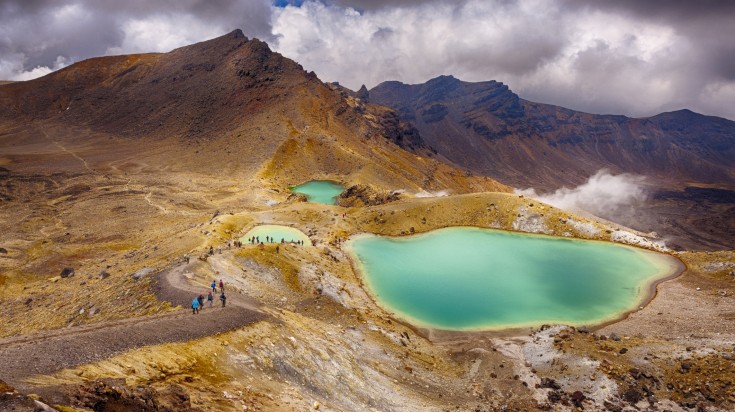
364	195
115	395
67	272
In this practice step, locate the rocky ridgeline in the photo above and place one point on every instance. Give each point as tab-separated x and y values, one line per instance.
364	195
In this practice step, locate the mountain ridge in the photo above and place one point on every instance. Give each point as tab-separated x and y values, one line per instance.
231	95
490	116
490	130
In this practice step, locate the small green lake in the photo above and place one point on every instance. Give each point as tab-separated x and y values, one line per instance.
465	278
320	191
276	232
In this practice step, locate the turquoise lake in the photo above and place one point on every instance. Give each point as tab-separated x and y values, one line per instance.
320	191
480	279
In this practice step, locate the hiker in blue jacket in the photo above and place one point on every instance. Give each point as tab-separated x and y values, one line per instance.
195	305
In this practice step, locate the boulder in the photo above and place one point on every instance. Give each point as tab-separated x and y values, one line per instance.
67	273
3	250
632	396
578	398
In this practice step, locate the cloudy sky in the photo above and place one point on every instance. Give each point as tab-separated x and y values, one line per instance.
607	56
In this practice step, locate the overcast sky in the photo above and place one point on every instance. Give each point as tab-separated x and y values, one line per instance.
628	57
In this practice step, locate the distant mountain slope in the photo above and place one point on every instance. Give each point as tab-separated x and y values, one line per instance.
251	107
486	127
210	87
688	158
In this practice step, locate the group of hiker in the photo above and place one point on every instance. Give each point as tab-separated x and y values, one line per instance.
198	302
255	240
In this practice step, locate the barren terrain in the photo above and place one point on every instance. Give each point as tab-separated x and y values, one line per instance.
94	292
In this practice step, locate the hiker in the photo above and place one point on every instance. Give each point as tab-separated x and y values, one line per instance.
210	299
186	258
221	286
214	286
195	306
223	298
211	250
276	248
200	299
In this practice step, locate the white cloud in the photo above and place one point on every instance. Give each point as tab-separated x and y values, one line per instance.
162	33
592	60
633	58
34	34
475	41
11	68
604	194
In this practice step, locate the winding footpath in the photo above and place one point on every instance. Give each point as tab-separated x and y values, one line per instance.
47	352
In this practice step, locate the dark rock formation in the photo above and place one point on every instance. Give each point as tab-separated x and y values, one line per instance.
67	272
363	195
363	93
115	395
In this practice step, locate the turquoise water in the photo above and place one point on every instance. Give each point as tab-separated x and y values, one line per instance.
480	279
320	191
277	232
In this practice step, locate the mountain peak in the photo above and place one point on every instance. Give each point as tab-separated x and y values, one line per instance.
237	34
444	79
363	93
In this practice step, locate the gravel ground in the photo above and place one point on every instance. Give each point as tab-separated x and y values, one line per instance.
47	352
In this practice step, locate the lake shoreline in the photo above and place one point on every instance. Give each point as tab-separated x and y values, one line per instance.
672	266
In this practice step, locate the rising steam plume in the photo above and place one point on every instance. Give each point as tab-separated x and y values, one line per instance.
604	194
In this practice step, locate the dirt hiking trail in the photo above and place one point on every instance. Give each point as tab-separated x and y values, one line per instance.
51	351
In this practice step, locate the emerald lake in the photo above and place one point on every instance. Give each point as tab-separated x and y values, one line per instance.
466	278
320	191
